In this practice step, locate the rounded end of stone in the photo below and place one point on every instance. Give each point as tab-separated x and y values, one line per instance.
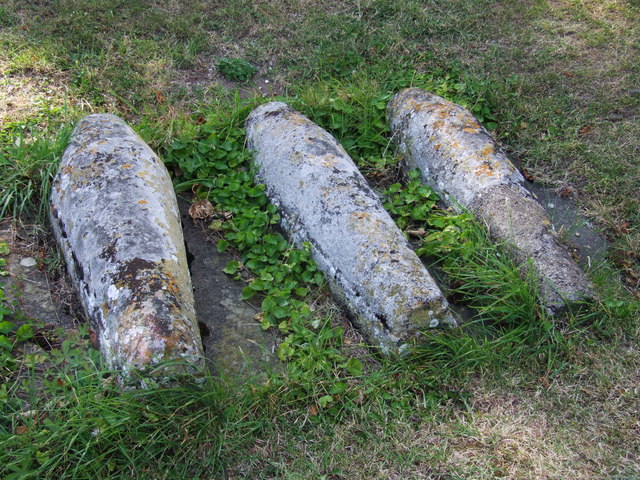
188	370
409	97
100	119
579	293
432	314
519	221
270	109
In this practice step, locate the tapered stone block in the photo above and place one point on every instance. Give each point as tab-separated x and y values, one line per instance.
460	160
324	200
115	218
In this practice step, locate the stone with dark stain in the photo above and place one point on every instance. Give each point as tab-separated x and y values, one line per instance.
115	218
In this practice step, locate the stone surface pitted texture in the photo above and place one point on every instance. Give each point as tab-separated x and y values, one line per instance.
115	217
460	160
324	200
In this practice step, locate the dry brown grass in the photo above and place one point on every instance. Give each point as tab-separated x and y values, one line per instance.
24	94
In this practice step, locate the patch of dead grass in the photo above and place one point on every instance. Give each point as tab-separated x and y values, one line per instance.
24	95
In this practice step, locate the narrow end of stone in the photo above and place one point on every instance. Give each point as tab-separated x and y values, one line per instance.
522	223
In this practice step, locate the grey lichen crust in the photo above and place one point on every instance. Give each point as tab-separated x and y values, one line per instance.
115	217
325	200
460	160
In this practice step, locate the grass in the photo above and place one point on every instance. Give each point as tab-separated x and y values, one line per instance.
517	395
28	168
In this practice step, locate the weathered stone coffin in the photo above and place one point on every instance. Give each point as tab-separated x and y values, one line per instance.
324	200
460	160
115	217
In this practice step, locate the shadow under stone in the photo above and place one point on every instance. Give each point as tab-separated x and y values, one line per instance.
586	245
234	342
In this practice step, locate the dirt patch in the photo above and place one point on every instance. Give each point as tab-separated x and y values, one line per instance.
37	289
204	77
26	95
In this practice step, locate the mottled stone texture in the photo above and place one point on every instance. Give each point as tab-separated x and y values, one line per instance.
115	217
324	200
460	160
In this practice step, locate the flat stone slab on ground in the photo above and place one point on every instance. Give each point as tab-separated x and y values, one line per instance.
234	342
577	233
28	291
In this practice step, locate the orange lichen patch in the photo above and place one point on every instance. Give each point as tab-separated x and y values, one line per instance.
471	122
142	202
471	129
437	146
67	170
172	285
171	342
126	166
485	170
361	215
488	150
412	104
438	124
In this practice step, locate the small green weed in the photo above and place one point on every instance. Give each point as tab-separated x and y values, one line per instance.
236	69
8	341
413	207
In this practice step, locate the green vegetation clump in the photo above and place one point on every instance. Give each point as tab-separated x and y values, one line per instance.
236	69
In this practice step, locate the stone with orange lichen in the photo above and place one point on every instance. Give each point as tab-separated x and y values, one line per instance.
324	200
460	160
128	263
